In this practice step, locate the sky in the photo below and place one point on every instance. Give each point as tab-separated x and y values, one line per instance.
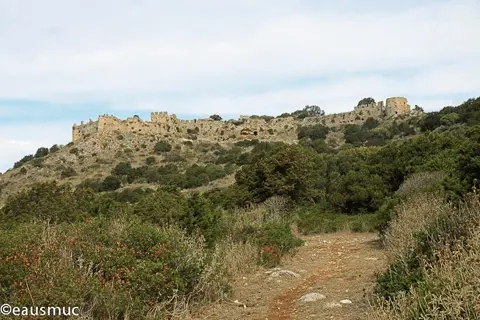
62	62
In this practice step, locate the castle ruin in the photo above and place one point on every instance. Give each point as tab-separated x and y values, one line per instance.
284	129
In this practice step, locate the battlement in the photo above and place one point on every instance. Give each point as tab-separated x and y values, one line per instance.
284	129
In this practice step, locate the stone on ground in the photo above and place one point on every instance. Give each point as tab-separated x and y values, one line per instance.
312	297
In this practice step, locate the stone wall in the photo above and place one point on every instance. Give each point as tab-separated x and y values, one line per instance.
397	106
284	129
84	130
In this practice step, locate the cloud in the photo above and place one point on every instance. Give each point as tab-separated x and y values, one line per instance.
148	50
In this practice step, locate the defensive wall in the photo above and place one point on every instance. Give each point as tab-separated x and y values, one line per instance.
284	129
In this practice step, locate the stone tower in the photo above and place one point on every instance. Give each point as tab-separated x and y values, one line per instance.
396	106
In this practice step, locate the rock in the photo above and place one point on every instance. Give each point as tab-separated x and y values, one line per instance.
279	273
271	271
346	301
373	259
333	304
312	297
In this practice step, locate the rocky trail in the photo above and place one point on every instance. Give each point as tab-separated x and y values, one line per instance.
327	279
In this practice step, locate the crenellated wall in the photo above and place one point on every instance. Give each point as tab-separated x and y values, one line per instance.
284	129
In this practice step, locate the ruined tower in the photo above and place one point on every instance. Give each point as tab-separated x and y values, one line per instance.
396	106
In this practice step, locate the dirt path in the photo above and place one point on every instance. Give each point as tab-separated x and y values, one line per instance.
340	266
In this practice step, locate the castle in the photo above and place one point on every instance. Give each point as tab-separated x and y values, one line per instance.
284	129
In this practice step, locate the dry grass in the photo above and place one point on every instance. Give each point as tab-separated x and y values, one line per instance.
410	218
451	286
418	182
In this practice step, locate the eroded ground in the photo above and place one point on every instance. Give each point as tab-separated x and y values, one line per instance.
340	266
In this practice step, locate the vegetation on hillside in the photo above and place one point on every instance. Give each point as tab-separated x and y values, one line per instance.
122	251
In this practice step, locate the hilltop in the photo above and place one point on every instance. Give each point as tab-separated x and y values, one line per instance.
200	150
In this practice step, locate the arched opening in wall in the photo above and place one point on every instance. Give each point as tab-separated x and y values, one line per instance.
255	133
396	112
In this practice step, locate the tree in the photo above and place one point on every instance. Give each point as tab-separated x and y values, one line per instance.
54	148
371	123
122	169
290	172
418	108
216	117
314	132
308	111
365	101
21	162
163	207
450	119
41	152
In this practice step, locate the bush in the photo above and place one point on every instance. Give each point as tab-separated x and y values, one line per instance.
131	265
68	172
216	117
111	183
54	148
38	162
150	160
41	152
162	147
276	239
370	123
162	207
45	201
246	143
24	160
364	101
314	132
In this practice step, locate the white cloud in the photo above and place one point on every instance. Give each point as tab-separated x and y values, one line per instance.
158	46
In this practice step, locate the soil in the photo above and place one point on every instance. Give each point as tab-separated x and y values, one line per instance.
340	266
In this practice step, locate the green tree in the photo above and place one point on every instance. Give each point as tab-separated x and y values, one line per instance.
371	123
308	111
365	101
24	160
449	119
163	207
54	148
314	132
111	183
288	172
41	152
216	117
45	202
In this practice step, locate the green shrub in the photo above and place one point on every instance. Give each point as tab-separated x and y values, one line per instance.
45	201
68	172
111	183
41	152
54	148
24	160
314	132
38	162
150	160
162	207
276	239
129	264
246	143
162	147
